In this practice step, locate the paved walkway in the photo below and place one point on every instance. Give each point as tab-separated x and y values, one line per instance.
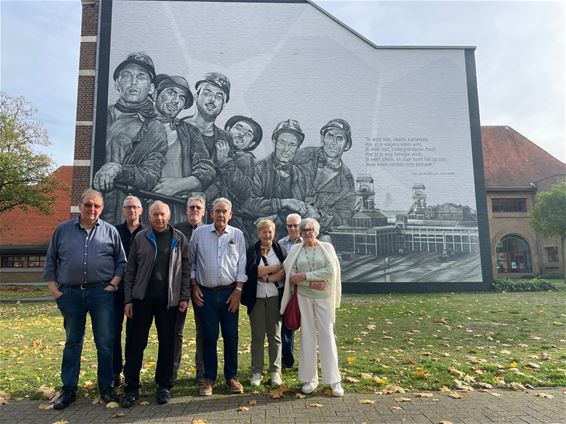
507	407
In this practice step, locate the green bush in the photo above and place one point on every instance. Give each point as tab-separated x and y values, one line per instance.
522	285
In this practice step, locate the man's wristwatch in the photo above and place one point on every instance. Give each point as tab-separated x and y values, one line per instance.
238	288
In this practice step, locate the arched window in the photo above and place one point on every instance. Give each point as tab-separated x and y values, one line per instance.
513	255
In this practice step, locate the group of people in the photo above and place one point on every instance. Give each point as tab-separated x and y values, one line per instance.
152	152
152	273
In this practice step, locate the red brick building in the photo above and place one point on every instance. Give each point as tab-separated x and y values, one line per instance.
27	234
516	169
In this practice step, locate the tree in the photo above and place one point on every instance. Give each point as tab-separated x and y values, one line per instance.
26	179
549	216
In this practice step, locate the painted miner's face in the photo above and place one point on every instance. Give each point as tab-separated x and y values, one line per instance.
210	100
286	146
242	135
134	84
334	142
170	101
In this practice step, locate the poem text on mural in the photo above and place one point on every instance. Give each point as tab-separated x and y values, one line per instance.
401	152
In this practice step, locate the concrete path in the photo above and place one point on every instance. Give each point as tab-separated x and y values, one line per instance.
495	406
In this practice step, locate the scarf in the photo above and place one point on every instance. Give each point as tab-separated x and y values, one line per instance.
145	109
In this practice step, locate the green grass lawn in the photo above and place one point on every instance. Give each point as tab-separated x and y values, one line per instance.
417	342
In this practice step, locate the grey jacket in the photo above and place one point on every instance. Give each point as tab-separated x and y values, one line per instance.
140	265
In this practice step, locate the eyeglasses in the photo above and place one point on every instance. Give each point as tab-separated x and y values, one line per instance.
307	230
92	205
292	225
132	207
198	208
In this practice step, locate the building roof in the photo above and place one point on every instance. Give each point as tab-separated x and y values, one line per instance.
31	228
513	161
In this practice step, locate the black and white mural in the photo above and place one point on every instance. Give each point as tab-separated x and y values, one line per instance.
280	108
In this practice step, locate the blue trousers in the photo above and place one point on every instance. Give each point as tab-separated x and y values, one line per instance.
213	315
74	304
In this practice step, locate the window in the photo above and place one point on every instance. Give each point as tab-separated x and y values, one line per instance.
552	254
513	255
36	261
13	261
509	205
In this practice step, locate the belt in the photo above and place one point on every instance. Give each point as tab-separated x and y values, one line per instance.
218	288
85	286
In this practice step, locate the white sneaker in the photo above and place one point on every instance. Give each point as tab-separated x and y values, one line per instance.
337	390
276	379
256	380
309	387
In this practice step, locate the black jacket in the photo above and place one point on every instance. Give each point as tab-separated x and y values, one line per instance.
249	292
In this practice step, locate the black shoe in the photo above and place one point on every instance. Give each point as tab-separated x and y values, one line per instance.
128	400
66	397
163	396
109	395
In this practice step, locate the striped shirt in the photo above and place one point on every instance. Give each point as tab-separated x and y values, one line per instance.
218	260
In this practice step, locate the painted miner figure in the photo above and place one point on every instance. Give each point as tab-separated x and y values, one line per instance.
136	142
188	168
279	185
330	194
212	93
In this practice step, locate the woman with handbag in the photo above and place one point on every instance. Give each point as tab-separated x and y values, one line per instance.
313	269
265	273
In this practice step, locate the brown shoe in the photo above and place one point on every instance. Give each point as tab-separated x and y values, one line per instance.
206	387
234	386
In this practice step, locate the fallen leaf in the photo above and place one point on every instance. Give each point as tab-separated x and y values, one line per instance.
445	422
544	395
456	373
533	365
350	359
315	405
243	408
517	387
444	389
118	415
397	408
352	380
366	402
199	421
300	396
455	395
47	393
276	394
393	389
366	376
144	402
112	405
496	394
61	422
45	406
89	384
252	402
403	399
328	392
424	395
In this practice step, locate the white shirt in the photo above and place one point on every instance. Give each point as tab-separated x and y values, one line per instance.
269	289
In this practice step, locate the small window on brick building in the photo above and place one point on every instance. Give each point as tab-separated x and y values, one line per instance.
13	261
552	254
509	205
36	261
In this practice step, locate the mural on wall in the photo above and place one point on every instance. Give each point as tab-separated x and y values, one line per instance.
293	113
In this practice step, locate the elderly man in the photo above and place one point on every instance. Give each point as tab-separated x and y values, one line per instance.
84	264
157	286
279	185
213	92
288	336
132	211
195	213
331	193
188	167
218	254
136	143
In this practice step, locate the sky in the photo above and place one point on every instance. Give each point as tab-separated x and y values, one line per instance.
520	57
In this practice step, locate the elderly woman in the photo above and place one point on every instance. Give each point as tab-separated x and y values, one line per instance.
312	268
261	296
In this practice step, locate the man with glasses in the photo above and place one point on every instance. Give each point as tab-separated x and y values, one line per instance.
279	186
286	243
84	265
195	213
132	211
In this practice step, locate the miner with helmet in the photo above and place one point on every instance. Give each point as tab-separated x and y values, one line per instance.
188	168
330	194
136	142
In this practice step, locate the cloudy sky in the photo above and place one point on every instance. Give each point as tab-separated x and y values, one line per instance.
520	57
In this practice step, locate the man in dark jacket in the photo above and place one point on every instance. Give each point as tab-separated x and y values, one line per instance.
156	285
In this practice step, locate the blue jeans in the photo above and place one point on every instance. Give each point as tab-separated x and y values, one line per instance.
214	313
74	305
287	346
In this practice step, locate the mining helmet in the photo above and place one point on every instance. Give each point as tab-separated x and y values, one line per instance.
217	79
291	126
140	59
163	81
258	132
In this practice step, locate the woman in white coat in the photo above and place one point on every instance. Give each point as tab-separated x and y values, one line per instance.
313	269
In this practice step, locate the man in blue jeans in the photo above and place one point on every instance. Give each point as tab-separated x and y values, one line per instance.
84	264
218	255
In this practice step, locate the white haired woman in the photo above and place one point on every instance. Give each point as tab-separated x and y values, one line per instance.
313	269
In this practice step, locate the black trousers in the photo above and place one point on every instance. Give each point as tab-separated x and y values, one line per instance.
136	341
